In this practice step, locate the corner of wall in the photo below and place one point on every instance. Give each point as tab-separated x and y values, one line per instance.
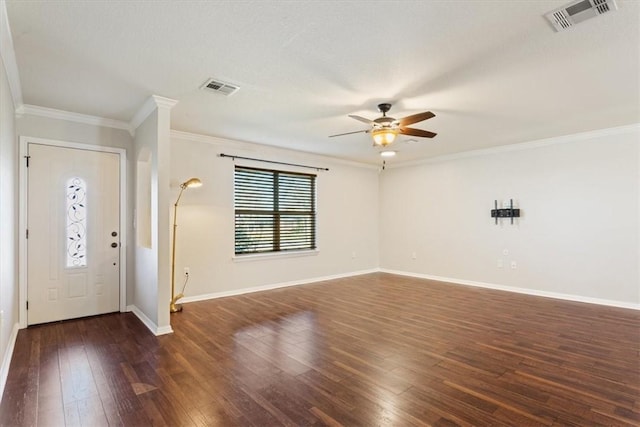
9	84
155	329
8	56
6	359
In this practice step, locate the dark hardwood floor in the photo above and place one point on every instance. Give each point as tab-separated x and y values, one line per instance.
370	350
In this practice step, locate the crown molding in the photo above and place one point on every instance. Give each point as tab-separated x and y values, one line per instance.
149	106
163	102
53	113
253	146
8	56
523	145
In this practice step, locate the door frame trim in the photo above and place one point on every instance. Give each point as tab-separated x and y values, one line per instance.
22	221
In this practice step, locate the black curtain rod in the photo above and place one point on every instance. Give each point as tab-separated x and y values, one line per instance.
273	161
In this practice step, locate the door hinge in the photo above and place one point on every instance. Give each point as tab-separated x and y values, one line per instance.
27	305
27	233
27	159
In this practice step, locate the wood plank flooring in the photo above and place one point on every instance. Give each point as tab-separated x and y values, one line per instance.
371	350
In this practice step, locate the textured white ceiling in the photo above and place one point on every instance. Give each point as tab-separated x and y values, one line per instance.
493	72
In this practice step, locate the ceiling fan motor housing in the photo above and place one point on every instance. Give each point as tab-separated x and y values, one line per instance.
385	122
383	108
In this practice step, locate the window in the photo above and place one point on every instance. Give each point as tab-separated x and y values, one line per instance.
275	211
76	235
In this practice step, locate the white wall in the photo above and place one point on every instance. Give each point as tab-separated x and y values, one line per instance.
151	294
579	230
347	200
9	222
163	176
145	289
69	131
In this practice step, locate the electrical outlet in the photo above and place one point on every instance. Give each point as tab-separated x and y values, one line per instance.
414	255
514	265
186	271
500	263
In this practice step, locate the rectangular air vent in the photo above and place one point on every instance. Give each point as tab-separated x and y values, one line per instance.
578	11
218	86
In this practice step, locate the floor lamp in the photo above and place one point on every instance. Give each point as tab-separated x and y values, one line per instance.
190	183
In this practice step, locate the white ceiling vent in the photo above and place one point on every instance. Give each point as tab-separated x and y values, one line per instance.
578	11
218	86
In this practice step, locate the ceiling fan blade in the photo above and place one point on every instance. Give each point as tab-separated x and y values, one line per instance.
415	118
417	132
361	119
349	133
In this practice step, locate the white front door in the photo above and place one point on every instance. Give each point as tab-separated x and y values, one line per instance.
73	222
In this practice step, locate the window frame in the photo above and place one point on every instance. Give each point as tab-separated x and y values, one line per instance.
276	214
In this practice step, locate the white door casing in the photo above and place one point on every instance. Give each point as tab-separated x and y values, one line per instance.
73	251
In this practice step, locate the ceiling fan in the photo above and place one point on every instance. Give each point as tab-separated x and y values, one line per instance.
385	129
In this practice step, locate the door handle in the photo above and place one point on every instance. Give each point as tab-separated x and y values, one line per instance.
114	245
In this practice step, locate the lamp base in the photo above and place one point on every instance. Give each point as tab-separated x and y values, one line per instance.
173	307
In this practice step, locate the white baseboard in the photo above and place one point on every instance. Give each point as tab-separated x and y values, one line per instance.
6	360
155	330
534	292
235	292
164	330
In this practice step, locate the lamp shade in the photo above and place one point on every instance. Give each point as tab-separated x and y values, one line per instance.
384	136
191	183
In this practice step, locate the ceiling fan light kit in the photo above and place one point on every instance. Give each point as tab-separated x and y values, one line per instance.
384	136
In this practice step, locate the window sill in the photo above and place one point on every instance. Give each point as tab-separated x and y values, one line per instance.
274	255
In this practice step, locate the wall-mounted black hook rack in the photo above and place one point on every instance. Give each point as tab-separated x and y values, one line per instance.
509	212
